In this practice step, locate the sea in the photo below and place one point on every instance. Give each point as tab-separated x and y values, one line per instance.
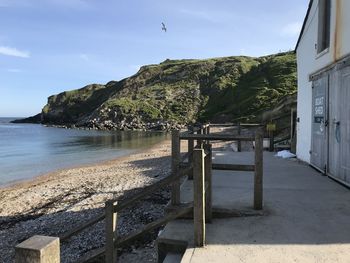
30	150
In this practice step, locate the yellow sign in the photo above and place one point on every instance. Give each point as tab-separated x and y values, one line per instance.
271	127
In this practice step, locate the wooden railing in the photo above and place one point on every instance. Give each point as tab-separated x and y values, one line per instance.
113	207
200	158
198	167
130	201
257	167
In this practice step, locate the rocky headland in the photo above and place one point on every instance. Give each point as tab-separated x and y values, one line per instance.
175	93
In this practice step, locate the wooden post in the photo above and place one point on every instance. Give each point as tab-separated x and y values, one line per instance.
272	141
291	126
38	249
175	161
198	197
207	131
190	152
239	144
258	176
199	142
293	138
208	181
111	231
207	128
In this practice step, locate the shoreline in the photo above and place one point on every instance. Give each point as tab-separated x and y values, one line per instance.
50	175
56	202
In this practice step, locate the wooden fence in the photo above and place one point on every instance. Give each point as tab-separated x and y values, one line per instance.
204	135
198	167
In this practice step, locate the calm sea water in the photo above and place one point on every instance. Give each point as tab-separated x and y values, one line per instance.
29	150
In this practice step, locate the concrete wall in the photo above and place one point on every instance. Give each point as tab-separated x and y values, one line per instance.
310	62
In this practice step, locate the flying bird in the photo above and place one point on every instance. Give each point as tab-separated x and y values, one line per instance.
163	27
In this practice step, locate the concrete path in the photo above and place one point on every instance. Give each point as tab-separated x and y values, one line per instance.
306	216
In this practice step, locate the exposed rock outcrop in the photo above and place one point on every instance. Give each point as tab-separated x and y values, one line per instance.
178	92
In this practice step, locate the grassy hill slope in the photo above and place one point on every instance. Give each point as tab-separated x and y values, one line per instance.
178	92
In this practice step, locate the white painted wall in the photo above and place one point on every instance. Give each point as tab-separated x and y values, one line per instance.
310	62
345	29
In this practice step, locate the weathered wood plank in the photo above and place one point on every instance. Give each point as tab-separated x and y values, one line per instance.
185	209
233	167
239	143
133	199
220	212
198	197
206	131
227	167
151	188
199	141
272	141
175	160
80	228
92	254
216	137
258	176
111	231
190	152
208	180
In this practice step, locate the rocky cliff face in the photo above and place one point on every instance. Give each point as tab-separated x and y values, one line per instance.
178	92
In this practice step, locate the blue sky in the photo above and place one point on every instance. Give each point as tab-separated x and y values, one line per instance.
49	46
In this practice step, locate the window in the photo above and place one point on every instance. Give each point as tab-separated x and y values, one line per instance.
324	21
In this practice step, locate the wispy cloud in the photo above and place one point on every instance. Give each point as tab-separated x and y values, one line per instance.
14	70
11	51
14	3
291	29
4	3
213	16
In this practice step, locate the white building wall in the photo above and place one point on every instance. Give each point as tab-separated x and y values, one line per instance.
310	62
344	28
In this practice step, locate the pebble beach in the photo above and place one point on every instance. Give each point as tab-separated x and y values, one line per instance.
57	202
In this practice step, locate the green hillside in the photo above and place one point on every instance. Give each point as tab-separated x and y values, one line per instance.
178	92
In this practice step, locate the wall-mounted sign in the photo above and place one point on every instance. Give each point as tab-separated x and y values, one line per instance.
271	127
319	108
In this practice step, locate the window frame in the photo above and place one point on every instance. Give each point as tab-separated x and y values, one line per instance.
324	26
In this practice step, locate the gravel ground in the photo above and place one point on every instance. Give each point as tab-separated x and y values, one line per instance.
57	202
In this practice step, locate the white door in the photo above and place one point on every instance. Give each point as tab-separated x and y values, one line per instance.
342	126
318	140
339	125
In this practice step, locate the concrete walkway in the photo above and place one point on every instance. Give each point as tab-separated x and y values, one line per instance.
306	216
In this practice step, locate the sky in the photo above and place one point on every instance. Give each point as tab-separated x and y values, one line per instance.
50	46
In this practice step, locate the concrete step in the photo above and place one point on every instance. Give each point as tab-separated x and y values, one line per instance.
170	249
172	257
